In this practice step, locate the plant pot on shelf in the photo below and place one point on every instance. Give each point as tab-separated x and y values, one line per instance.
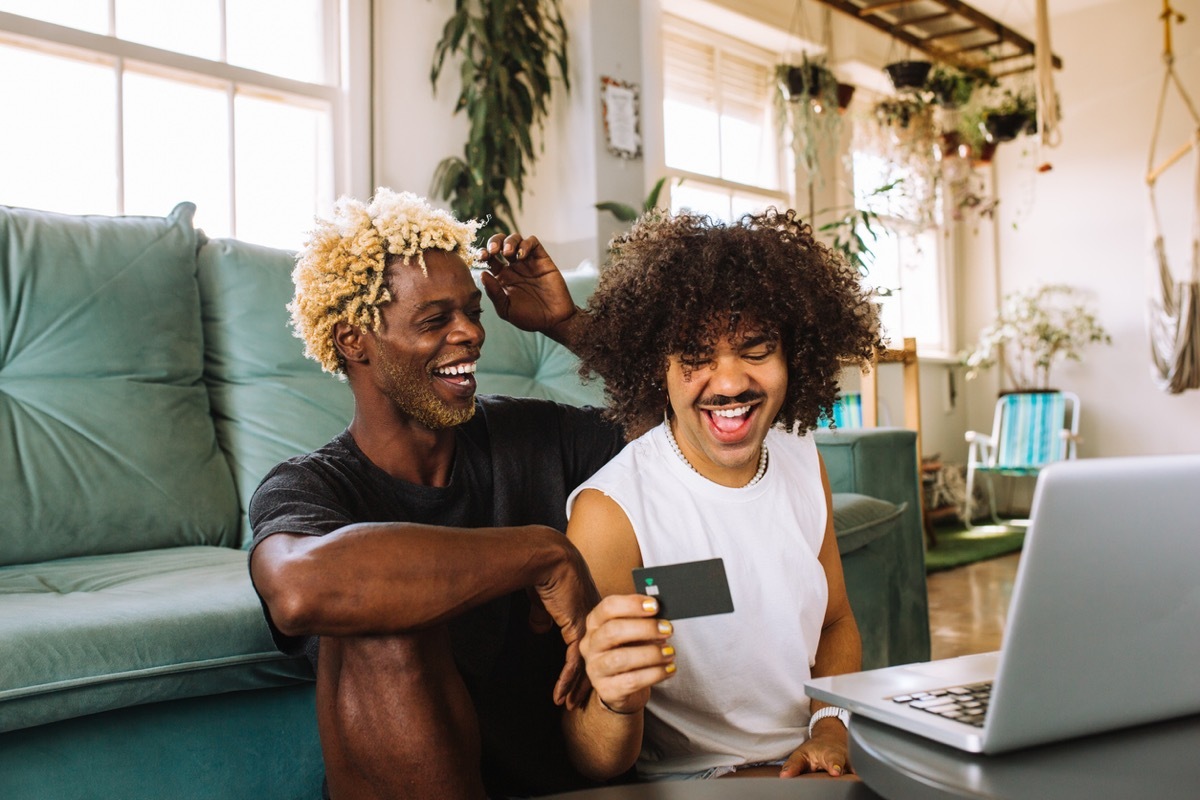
908	74
985	153
845	91
951	144
810	79
1005	127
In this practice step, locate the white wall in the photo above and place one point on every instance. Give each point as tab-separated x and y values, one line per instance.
1085	222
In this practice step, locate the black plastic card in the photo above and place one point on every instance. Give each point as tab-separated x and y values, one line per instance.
694	589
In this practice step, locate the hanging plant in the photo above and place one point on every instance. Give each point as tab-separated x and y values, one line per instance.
908	74
901	132
509	49
1015	113
952	87
807	101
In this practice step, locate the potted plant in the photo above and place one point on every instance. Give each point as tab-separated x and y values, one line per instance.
1037	328
1014	114
902	134
806	97
953	87
904	115
909	74
974	135
513	56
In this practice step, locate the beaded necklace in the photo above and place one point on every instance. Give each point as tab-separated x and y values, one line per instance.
762	457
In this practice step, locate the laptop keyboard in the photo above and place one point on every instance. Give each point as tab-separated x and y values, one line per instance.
963	703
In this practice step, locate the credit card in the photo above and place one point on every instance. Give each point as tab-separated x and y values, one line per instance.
691	589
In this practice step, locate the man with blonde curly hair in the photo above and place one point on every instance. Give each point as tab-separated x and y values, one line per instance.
418	559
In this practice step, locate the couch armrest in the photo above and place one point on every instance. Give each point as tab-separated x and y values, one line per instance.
882	463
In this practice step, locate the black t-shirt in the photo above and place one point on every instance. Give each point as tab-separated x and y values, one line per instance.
515	463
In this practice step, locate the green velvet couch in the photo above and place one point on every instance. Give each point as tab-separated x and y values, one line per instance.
147	381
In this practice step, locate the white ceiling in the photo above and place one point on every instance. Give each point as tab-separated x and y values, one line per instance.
1019	14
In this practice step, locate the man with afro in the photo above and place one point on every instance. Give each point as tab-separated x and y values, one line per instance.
720	346
418	559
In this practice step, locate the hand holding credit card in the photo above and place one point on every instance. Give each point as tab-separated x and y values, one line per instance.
692	589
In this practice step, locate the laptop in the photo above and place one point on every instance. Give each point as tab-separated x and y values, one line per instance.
1103	629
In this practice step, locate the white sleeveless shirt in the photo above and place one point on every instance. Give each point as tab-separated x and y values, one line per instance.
738	694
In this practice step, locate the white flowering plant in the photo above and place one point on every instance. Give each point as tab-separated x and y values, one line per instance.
1035	329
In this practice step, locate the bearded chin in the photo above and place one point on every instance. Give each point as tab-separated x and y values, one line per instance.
437	416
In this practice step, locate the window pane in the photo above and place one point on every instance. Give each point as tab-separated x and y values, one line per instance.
294	47
752	204
176	148
922	299
700	199
284	170
62	156
692	138
192	27
86	15
884	276
748	151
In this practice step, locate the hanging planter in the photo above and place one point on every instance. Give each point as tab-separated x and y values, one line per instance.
806	97
984	154
809	79
953	87
908	74
1016	113
845	93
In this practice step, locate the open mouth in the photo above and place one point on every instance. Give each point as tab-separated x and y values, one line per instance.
460	377
730	423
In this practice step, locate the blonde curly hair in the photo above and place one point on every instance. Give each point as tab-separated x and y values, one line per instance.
341	271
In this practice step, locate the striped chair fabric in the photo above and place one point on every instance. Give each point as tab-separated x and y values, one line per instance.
1030	430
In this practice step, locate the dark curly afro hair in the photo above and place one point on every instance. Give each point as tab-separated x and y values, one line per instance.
677	284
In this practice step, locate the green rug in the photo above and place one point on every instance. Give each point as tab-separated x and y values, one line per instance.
957	546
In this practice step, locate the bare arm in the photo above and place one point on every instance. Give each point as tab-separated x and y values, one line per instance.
839	652
625	647
371	578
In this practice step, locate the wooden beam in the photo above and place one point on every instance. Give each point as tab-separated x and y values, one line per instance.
948	34
908	23
887	5
897	28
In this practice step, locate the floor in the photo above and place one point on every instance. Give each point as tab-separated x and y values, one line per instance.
968	606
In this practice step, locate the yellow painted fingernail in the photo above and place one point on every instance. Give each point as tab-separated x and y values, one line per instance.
664	627
670	668
668	651
650	605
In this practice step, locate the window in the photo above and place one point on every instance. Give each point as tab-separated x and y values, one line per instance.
721	144
908	264
131	106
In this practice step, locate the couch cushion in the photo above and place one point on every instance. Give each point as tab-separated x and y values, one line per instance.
521	364
104	421
269	401
90	634
860	520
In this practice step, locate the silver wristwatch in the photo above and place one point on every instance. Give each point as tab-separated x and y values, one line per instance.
828	711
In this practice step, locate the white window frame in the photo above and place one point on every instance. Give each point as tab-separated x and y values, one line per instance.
944	236
345	89
723	43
